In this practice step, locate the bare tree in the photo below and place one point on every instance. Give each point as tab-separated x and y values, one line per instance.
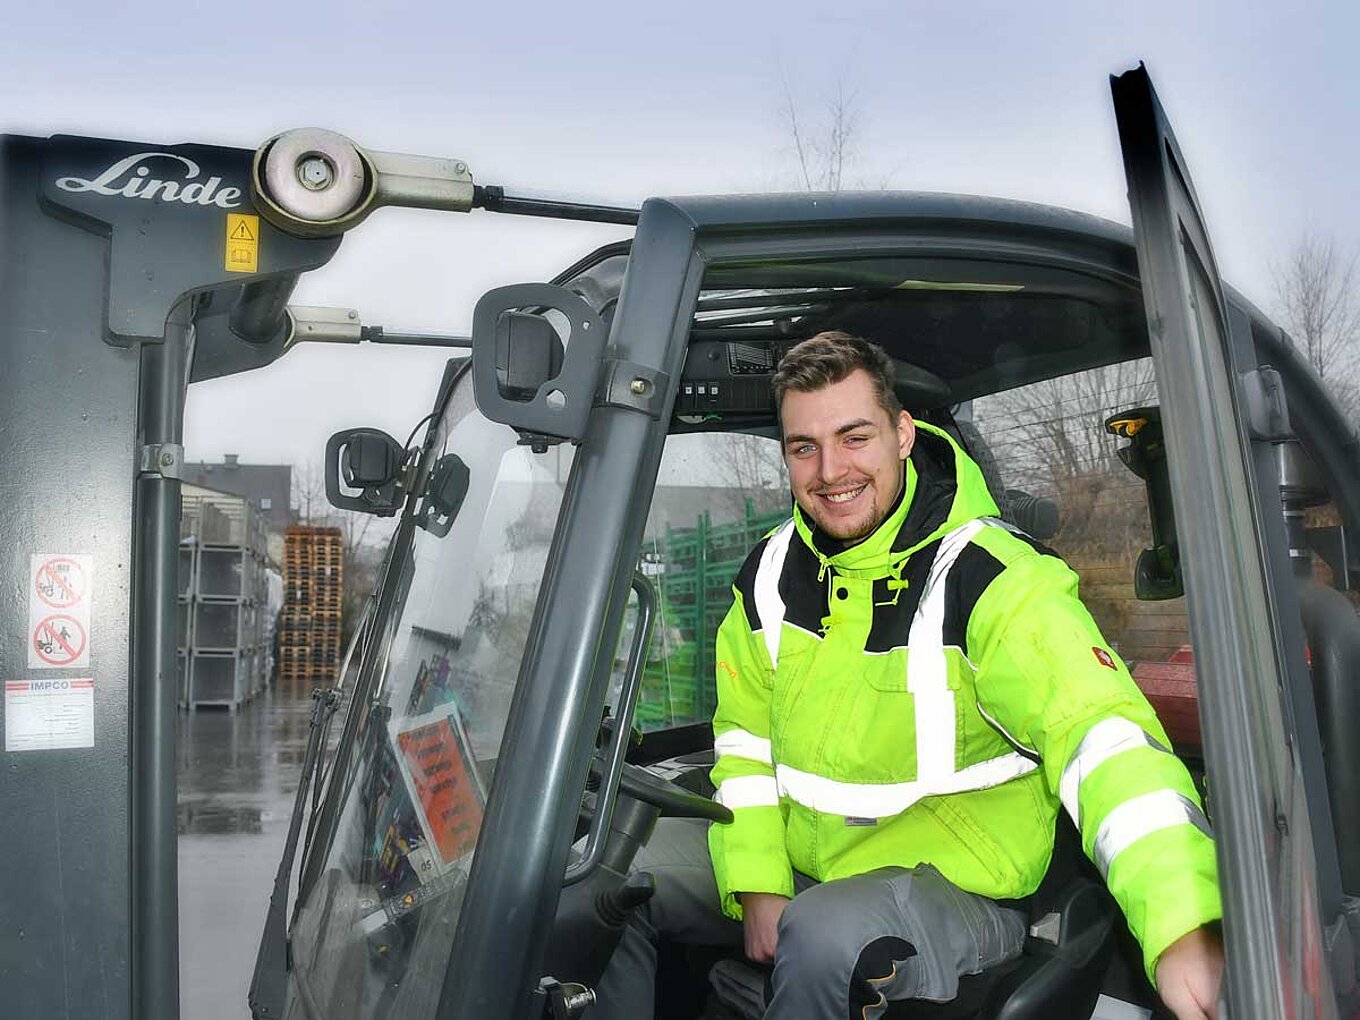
752	468
824	146
1316	289
309	495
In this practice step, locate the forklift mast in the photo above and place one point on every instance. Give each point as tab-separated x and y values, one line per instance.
121	265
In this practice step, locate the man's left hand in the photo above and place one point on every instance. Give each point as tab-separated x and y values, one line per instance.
1188	975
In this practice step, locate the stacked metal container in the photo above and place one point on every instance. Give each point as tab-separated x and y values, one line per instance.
313	587
223	650
695	577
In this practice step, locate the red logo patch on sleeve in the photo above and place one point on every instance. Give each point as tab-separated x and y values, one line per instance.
1104	658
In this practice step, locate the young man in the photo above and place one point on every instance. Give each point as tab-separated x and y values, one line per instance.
908	691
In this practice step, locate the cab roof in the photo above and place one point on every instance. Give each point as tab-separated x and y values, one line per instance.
985	294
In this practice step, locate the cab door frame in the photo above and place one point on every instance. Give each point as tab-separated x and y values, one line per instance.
1276	850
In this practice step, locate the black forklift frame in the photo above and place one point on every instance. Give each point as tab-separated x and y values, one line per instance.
109	306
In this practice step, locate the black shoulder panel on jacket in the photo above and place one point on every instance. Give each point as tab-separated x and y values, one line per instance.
893	616
745	583
973	571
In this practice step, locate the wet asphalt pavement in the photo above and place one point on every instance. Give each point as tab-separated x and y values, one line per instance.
238	773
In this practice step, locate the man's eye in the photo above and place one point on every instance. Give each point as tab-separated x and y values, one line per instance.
802	449
856	440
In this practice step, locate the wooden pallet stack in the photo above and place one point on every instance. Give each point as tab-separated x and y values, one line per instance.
313	584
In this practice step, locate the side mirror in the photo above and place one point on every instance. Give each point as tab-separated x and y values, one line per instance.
363	471
444	493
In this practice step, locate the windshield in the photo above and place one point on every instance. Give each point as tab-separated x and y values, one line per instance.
373	936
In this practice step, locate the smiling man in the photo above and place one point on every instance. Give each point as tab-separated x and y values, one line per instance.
909	690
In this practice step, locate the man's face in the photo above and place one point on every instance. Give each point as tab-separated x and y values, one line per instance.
844	453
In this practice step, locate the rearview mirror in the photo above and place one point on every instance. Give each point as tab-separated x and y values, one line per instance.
363	471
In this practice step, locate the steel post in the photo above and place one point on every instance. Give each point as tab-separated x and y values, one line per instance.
155	866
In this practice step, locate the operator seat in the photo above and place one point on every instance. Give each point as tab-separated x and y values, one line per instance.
1057	976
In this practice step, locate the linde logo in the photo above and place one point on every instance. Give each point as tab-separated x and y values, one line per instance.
130	177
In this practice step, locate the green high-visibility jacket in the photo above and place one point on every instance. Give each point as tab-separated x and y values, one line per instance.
934	694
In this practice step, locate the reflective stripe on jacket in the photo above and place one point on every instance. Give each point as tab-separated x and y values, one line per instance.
934	694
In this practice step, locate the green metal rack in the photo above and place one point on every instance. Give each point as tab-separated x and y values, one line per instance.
695	574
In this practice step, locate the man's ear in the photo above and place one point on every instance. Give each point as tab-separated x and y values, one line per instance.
906	434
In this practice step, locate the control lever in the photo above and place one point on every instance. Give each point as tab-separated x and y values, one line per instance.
617	903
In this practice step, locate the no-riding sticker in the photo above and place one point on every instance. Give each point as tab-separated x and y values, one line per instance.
60	640
59	593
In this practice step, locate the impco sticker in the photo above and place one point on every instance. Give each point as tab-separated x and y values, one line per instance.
49	715
60	586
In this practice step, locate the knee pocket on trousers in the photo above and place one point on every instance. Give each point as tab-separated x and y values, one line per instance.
822	925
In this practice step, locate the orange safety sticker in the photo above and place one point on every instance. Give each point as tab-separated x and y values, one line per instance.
444	787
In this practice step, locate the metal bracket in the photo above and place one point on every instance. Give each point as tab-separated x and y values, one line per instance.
325	325
633	387
1267	411
422	182
164	459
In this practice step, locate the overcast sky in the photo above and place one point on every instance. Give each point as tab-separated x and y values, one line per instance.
620	101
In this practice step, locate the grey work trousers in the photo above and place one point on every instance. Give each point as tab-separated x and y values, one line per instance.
845	947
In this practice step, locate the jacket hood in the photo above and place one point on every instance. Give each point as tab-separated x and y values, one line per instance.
944	489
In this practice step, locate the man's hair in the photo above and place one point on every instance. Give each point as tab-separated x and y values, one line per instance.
830	357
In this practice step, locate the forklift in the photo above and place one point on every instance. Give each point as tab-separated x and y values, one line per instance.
462	841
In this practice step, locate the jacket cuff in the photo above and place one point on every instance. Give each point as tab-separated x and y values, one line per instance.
747	869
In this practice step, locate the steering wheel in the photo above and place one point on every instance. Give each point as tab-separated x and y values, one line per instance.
672	799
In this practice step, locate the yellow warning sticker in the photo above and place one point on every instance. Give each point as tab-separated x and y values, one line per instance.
243	243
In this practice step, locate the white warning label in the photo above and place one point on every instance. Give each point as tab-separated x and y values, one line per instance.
45	715
59	593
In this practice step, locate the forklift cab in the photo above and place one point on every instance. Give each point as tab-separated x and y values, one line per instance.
532	681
